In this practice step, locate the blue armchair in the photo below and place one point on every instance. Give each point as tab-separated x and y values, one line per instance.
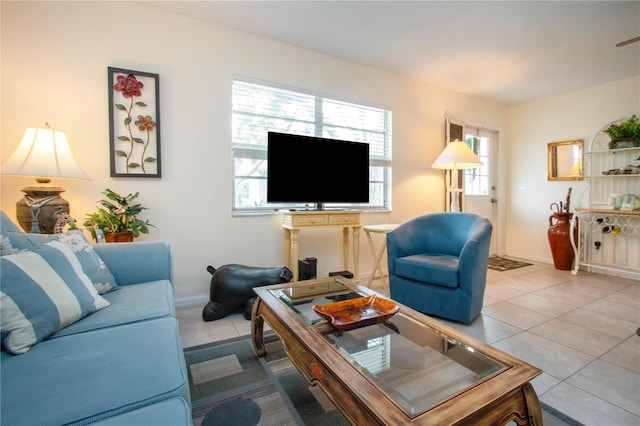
438	264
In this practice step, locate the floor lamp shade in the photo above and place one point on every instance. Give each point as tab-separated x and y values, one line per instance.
43	153
456	156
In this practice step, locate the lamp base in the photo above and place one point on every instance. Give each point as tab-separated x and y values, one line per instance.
455	205
37	210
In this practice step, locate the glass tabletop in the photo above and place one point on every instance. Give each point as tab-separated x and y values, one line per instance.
301	299
413	364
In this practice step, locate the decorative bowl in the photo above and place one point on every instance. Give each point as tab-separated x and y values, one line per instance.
355	313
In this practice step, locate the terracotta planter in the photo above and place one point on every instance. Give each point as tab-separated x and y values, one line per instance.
119	237
559	241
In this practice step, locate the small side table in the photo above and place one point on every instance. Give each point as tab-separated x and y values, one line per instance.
378	229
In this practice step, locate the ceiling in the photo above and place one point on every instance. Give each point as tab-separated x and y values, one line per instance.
506	51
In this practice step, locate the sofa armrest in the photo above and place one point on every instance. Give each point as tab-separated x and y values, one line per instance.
138	262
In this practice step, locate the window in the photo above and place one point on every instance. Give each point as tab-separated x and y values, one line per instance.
476	181
258	109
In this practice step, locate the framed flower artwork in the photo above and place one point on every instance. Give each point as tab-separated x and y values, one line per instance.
134	123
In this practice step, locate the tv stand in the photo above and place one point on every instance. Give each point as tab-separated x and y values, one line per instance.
321	208
295	220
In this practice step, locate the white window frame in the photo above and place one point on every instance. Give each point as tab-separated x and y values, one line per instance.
249	141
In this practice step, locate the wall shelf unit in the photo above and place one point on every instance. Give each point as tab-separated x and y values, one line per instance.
608	239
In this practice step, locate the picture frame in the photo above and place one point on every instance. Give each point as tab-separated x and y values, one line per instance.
564	160
134	123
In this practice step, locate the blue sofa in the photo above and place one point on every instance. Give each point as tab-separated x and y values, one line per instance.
438	264
120	365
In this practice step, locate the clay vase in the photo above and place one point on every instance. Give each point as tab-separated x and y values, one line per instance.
119	237
559	241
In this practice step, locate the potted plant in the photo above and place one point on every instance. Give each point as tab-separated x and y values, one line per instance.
625	134
117	218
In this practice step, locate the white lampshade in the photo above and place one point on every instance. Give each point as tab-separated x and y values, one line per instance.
457	155
43	152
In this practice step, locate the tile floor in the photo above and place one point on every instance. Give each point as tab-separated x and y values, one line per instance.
581	331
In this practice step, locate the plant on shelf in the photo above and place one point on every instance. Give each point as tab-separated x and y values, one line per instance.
117	218
625	134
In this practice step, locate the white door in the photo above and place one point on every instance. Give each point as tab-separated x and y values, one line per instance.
479	187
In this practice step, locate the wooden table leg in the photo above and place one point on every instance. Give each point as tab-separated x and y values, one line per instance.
356	252
377	257
373	252
345	248
287	248
533	405
293	259
257	329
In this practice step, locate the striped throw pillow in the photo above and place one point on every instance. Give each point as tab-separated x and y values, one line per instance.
43	290
92	265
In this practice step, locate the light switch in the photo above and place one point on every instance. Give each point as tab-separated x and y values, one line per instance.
524	185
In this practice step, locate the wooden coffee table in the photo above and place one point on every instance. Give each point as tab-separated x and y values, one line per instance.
411	369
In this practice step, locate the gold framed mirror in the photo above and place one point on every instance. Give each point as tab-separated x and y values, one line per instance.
564	160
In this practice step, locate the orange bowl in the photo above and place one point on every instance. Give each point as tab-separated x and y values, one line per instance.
355	313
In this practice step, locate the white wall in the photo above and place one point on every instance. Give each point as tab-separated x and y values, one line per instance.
54	68
531	126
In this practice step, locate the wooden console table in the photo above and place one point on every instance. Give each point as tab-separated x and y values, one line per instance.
295	220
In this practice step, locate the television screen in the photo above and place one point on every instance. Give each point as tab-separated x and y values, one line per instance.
306	169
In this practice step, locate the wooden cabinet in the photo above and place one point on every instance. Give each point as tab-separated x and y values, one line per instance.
295	220
609	238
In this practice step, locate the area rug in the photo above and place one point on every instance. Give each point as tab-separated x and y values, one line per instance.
230	385
501	264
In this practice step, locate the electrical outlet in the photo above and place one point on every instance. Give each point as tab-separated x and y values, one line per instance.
524	185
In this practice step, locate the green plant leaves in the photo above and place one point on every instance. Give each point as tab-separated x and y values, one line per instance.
627	129
117	214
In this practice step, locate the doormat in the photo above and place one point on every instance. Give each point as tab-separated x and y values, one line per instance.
501	264
230	385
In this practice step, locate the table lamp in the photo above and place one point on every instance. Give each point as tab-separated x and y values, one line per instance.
456	156
44	153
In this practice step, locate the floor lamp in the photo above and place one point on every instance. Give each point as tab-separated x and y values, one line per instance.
43	153
456	156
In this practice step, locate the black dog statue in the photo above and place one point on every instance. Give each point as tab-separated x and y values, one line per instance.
232	286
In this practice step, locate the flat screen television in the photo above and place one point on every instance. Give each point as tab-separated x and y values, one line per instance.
313	170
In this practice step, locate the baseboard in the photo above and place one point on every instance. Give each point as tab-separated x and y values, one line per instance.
191	302
194	301
606	270
526	257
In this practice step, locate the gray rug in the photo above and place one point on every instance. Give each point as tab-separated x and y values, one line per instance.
230	385
501	264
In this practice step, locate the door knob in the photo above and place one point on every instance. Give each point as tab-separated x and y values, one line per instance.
493	200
